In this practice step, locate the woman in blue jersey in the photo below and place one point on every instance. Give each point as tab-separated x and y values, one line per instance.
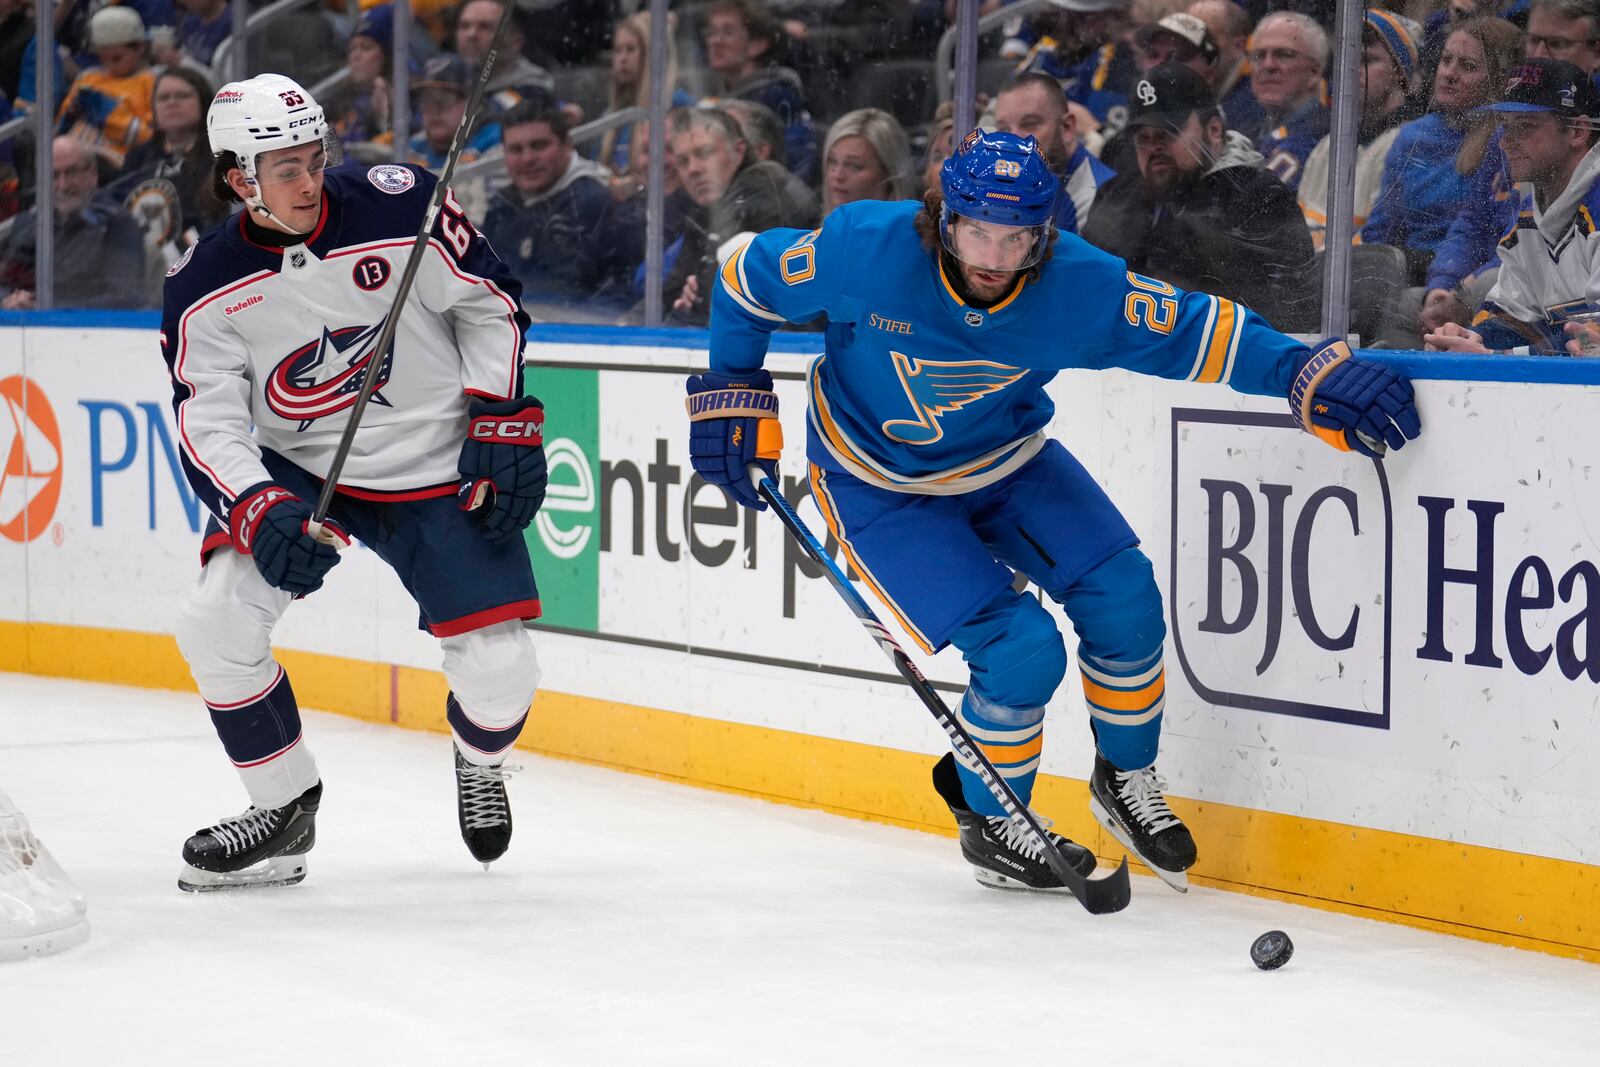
929	461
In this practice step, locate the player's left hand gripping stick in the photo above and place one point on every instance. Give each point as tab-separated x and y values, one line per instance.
503	469
1097	895
1353	403
733	423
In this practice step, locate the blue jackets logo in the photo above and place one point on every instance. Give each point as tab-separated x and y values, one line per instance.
323	377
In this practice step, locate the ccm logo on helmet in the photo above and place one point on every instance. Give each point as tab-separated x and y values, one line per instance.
527	432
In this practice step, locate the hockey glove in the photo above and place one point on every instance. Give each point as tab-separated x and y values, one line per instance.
1353	403
269	524
503	471
733	422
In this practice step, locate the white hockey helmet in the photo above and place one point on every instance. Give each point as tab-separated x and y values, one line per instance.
262	114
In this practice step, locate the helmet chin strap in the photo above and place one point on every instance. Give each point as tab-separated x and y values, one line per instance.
256	203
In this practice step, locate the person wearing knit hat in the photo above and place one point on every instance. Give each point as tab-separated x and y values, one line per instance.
1388	65
111	105
360	111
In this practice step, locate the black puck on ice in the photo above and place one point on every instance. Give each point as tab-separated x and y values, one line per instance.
1271	950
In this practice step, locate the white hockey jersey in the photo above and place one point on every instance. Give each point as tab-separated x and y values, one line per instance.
267	346
1549	266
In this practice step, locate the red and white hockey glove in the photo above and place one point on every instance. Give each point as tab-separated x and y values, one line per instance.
269	524
503	471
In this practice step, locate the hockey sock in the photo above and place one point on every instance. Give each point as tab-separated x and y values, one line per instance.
1125	699
261	735
483	745
1011	738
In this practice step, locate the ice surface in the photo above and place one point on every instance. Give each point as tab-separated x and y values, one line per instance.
636	921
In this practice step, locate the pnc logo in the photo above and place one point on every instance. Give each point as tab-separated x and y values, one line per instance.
30	464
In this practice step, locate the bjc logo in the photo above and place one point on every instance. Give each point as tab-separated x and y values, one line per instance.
1281	569
30	477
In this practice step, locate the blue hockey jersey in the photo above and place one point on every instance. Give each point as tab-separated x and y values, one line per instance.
919	392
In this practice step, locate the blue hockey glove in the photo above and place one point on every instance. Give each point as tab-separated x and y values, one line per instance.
1353	403
503	471
269	524
733	422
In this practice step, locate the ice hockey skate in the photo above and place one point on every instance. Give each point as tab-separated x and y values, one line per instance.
41	911
1133	806
999	849
483	809
260	848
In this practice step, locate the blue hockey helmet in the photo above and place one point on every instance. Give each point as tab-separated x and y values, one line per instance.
1002	179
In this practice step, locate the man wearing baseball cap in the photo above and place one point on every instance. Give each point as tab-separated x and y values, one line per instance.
439	94
111	106
1549	260
1199	211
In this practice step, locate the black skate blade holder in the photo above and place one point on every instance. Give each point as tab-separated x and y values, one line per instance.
1098	895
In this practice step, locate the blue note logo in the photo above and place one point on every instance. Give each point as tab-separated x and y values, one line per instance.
936	389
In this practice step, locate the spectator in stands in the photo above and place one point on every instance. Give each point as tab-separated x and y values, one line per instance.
1200	212
1230	29
630	82
1432	164
439	94
867	156
1032	105
179	151
1568	30
941	142
1547	262
1388	63
551	223
109	106
515	75
360	112
1288	54
16	31
762	129
99	249
206	24
742	41
732	193
630	213
1175	38
1083	48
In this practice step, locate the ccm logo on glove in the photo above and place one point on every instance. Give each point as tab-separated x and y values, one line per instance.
247	518
511	431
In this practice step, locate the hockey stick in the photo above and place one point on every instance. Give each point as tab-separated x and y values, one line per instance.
380	351
1097	895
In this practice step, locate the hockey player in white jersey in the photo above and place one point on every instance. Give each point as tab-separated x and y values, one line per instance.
269	325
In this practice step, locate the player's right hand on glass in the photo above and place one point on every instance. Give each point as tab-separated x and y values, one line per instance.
733	422
272	526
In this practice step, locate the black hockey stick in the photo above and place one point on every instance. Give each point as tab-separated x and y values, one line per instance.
381	350
1097	895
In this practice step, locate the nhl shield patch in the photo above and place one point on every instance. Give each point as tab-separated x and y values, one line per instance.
391	178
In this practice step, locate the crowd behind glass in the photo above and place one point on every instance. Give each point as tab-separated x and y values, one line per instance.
1192	139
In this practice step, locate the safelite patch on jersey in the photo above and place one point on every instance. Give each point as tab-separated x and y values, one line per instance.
391	178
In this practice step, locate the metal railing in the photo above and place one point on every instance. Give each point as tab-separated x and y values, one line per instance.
491	166
223	57
944	54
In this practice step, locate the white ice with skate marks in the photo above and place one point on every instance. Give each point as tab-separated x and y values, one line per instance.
636	921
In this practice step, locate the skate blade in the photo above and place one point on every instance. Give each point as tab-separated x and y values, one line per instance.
45	942
275	871
996	880
1178	880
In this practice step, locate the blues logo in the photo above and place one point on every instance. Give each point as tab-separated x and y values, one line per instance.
323	377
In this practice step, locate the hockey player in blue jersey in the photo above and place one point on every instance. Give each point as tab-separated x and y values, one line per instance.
928	460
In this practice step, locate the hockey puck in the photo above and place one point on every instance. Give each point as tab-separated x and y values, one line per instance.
1271	950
